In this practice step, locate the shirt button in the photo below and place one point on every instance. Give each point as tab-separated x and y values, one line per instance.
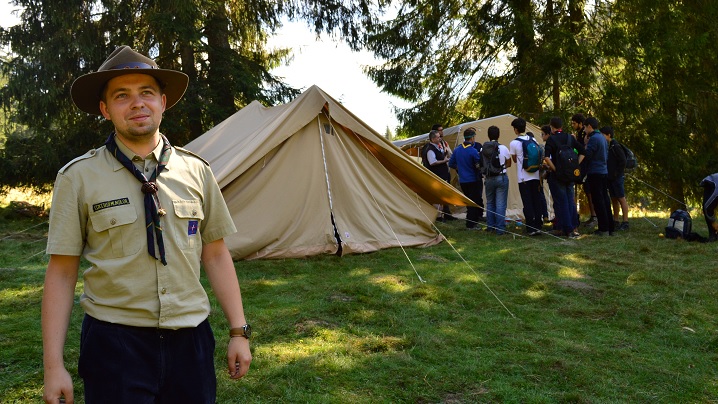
164	291
113	221
194	213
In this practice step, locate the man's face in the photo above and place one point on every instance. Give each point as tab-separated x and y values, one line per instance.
134	103
576	125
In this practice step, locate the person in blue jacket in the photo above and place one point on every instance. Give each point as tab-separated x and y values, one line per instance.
596	164
465	160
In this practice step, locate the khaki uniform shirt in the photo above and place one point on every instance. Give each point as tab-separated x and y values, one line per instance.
98	212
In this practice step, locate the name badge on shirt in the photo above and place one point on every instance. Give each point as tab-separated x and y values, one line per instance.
192	227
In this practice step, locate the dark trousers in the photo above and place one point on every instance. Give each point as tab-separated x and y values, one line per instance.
531	200
564	206
472	190
598	185
122	364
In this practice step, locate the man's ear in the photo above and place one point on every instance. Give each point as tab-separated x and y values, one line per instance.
103	109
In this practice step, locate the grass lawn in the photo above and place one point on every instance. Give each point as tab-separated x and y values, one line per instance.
631	318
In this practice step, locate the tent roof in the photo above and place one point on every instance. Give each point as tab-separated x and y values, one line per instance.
264	128
480	124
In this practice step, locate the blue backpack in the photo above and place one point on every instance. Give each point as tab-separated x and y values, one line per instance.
533	155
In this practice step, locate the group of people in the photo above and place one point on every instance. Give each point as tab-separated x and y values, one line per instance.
482	169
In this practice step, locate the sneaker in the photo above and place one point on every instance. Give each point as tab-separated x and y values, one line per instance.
591	222
623	226
601	233
574	235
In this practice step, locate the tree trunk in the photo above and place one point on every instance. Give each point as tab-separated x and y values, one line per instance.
219	78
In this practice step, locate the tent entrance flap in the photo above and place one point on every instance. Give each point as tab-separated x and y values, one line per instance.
326	128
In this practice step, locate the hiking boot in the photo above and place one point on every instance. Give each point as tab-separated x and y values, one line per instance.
623	226
591	222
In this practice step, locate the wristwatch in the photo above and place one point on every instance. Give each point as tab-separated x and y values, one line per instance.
243	331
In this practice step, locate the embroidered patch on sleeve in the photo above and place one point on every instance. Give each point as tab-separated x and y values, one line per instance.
192	227
110	204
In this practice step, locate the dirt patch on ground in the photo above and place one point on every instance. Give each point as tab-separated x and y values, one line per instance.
429	257
578	285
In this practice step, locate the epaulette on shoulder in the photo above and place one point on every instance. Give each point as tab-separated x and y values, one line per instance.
90	154
193	154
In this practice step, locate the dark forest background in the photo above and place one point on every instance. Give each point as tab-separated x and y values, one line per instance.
646	67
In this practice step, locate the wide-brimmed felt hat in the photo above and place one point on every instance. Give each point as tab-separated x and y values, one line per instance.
86	90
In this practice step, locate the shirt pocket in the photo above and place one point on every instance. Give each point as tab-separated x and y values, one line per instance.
116	236
188	218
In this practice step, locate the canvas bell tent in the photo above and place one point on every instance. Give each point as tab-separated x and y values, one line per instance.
308	177
454	136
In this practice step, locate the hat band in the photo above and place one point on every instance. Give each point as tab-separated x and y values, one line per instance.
133	65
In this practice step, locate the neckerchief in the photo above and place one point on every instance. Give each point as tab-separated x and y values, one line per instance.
153	209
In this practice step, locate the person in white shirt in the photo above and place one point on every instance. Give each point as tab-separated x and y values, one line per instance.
529	183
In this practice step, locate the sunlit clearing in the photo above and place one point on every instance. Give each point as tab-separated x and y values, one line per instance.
16	294
535	294
568	272
536	291
272	282
390	282
359	272
577	259
29	195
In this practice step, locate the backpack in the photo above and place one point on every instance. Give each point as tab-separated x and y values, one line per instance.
679	225
631	162
566	162
533	155
490	161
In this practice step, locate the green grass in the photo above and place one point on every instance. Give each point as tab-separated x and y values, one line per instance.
631	318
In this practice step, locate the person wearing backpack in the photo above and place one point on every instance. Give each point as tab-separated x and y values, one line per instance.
616	167
579	132
527	155
465	160
495	158
596	163
558	145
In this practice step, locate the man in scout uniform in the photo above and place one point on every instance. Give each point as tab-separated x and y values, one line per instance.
144	214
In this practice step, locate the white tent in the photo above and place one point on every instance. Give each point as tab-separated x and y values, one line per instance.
454	136
308	177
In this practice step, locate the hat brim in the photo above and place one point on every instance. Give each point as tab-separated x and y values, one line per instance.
86	90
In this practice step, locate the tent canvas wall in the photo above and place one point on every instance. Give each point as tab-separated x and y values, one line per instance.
455	135
300	175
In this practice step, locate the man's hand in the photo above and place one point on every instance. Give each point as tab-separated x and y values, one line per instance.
238	357
58	383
